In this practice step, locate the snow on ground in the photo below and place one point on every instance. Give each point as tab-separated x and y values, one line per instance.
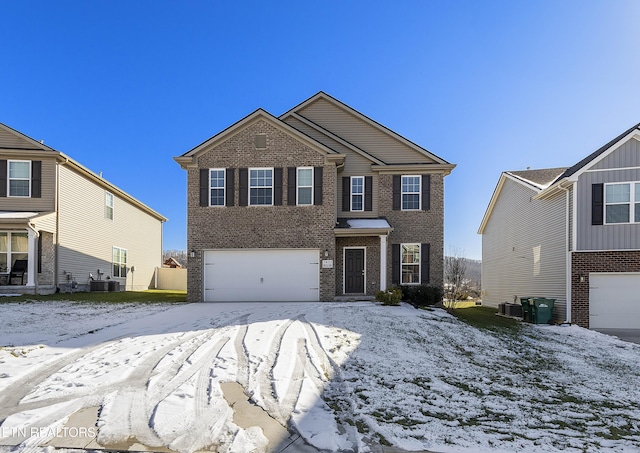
342	375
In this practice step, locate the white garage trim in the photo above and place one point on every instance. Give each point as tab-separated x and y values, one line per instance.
261	275
614	300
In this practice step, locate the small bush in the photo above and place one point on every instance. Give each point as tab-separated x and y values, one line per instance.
423	295
390	296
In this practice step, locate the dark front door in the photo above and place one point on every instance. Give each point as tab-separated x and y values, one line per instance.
354	271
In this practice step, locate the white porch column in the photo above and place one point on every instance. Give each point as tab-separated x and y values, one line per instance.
31	265
383	262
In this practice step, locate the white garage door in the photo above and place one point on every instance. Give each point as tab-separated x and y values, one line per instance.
261	275
614	301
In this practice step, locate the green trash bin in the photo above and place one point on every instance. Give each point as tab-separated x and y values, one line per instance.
527	315
542	310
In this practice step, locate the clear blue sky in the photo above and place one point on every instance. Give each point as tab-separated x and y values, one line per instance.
123	86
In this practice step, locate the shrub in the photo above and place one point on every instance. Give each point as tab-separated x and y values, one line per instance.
424	295
390	296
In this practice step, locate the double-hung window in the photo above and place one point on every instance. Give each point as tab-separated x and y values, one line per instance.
217	187
108	205
19	178
261	186
305	186
411	192
357	193
13	246
119	262
622	202
410	263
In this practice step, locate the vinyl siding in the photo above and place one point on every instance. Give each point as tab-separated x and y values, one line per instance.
10	140
361	134
624	163
47	200
355	164
524	248
86	237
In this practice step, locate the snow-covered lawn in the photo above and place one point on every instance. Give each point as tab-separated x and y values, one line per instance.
342	375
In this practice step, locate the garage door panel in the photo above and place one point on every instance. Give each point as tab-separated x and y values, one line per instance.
614	301
262	275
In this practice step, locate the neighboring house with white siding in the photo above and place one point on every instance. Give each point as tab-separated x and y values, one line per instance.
572	234
320	202
69	224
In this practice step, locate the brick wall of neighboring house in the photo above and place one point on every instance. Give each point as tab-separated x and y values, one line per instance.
582	263
260	226
45	278
416	226
372	262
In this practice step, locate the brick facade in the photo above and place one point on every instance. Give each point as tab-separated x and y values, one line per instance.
416	226
261	226
371	244
582	263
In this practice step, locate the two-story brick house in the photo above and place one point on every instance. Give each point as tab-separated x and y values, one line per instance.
317	203
69	224
571	234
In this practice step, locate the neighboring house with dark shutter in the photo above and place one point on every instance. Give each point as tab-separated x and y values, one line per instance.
317	203
66	224
572	234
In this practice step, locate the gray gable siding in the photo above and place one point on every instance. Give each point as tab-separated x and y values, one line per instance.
627	155
361	134
524	247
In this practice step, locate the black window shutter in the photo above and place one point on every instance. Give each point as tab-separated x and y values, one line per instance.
426	192
291	186
3	178
346	194
395	264
230	186
597	204
425	260
36	179
204	187
397	192
317	185
277	186
243	176
40	253
368	193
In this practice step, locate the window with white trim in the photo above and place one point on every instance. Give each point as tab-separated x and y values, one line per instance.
411	192
108	205
305	186
217	186
622	202
410	263
357	193
261	186
119	262
19	178
13	246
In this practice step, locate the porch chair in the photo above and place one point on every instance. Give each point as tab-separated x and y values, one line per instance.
18	270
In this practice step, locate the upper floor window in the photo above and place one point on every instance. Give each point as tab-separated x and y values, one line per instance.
19	178
410	263
108	205
305	186
411	191
622	202
119	262
260	186
217	187
357	193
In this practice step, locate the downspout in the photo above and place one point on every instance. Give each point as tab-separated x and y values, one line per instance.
568	256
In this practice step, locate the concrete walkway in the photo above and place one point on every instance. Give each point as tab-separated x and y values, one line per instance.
630	335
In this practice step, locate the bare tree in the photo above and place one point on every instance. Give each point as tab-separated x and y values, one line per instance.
455	269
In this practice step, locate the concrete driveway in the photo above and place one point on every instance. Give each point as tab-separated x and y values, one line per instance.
630	335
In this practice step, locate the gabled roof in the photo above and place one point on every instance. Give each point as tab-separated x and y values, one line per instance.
536	180
324	96
187	158
38	148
